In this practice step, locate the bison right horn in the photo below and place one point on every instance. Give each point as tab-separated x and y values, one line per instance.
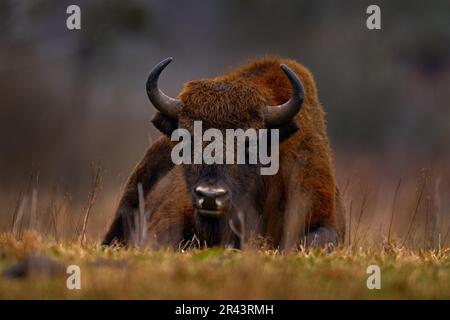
278	115
165	104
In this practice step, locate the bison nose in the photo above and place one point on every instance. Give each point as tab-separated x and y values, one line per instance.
210	199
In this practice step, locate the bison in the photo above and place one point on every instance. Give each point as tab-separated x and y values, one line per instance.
227	204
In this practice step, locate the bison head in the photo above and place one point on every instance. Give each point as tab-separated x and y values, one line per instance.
224	196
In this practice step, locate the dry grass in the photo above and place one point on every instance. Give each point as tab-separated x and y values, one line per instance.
114	273
399	224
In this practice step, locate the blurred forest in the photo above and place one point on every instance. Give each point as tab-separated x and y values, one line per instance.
74	100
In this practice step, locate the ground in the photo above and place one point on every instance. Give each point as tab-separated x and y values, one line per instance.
115	273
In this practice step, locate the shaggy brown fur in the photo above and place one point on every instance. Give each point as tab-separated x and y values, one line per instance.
301	197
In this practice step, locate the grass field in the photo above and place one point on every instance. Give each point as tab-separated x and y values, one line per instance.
401	226
115	273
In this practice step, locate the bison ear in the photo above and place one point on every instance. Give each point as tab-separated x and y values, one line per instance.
165	124
287	130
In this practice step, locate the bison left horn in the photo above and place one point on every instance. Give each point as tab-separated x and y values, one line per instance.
278	115
165	104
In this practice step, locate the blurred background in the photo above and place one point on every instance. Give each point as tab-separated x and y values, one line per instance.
73	101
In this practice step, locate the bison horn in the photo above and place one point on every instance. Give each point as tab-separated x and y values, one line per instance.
278	115
165	104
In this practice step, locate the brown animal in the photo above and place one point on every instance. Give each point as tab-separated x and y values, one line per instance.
227	204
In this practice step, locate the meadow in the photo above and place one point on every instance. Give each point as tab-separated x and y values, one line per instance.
399	225
114	273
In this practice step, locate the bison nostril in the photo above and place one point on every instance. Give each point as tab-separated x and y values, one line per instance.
198	202
212	198
210	192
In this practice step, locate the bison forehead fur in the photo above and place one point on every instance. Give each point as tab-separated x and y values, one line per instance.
223	103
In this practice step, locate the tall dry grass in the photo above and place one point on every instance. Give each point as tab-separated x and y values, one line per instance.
409	209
